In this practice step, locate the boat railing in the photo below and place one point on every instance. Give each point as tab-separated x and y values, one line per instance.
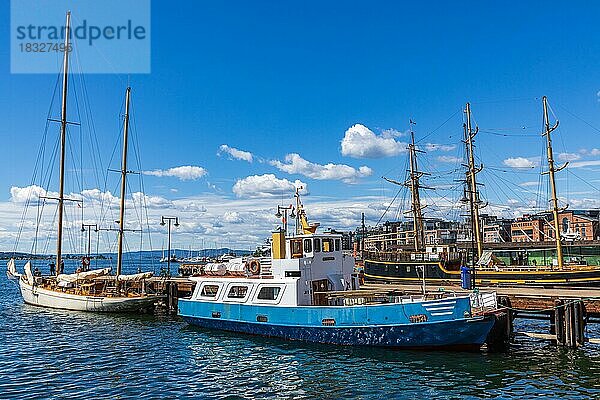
359	297
484	301
537	268
411	256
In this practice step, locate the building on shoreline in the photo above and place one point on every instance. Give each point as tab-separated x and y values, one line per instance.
576	225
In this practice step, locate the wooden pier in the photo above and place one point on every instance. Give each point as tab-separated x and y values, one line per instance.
171	288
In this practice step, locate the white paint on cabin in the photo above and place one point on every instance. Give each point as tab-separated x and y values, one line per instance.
314	263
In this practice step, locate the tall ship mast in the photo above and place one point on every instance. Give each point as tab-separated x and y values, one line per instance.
123	186
413	183
471	181
388	258
416	208
63	145
83	290
551	171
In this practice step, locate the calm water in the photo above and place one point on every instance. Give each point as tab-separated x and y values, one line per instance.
61	354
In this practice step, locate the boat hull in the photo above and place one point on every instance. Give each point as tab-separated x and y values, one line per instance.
467	334
411	272
378	326
38	296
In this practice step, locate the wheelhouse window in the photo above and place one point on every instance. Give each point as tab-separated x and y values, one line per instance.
337	244
296	246
269	293
307	246
317	245
209	291
327	245
237	292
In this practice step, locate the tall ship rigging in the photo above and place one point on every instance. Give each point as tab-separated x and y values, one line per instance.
490	263
84	290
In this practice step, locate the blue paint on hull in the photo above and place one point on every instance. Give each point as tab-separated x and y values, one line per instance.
385	325
460	334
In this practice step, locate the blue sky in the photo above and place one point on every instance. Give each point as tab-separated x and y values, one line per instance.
280	78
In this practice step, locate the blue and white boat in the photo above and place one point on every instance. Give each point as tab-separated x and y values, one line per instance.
308	290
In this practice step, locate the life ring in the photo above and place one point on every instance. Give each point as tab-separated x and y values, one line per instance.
254	267
85	262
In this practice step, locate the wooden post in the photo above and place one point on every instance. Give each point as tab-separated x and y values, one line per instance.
579	323
553	325
173	296
569	319
559	322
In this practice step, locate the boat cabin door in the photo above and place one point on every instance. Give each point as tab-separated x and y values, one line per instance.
319	289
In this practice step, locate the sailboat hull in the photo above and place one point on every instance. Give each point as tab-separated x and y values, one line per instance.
38	296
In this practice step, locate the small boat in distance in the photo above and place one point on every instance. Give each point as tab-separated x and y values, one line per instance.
94	290
308	290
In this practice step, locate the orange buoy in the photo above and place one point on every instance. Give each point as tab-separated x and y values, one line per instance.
254	267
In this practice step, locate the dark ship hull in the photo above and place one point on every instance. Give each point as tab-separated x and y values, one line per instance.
440	273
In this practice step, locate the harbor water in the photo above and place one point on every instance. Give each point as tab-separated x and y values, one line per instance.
61	354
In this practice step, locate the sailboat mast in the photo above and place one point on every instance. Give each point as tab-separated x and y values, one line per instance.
123	184
63	140
472	180
415	196
551	171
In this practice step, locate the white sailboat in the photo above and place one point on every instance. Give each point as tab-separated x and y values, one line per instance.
94	290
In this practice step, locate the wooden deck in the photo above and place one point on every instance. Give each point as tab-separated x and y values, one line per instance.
522	298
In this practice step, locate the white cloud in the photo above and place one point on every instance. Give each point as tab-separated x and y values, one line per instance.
142	199
99	196
189	206
235	153
590	152
267	185
295	164
391	132
232	217
28	193
361	142
184	173
439	147
519	162
529	184
589	163
449	159
569	156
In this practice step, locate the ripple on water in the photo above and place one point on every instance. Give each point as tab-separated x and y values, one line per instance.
46	353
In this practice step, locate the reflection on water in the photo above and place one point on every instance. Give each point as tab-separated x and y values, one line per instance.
46	353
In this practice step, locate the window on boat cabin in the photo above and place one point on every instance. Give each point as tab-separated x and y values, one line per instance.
337	244
268	293
317	245
209	291
237	292
296	247
307	246
327	245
